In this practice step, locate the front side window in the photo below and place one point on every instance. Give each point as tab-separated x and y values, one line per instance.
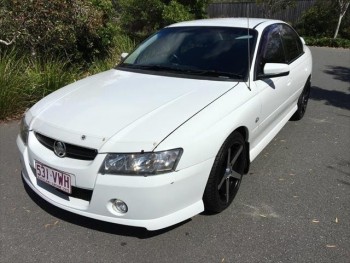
216	52
271	48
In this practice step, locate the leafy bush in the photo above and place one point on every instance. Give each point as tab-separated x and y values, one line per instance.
327	42
321	21
139	19
122	43
176	12
74	29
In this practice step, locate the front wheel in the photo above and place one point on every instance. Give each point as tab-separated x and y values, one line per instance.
226	174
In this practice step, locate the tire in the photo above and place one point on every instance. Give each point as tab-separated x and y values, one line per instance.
302	102
226	174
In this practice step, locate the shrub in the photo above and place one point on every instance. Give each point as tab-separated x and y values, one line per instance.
176	12
122	43
74	29
139	19
321	20
327	42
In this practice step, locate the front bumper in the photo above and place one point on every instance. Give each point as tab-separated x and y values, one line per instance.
154	202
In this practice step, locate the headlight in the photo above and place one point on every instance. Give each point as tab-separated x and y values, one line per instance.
141	163
24	131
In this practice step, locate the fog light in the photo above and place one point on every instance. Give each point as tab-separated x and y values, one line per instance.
120	206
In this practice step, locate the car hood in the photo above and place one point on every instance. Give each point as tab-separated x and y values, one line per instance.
122	111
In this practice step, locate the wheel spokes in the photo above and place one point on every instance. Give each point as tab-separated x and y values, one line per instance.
229	172
225	177
236	175
228	157
236	156
227	189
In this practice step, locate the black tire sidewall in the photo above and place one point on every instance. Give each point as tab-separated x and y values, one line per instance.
211	197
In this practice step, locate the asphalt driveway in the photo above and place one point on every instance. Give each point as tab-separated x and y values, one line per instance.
293	206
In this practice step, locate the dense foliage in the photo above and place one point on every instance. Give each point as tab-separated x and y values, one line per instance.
321	21
74	29
327	42
141	18
86	29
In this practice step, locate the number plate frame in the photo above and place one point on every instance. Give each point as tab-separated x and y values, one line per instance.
56	178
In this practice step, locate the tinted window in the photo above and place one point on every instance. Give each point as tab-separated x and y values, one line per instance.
271	48
292	43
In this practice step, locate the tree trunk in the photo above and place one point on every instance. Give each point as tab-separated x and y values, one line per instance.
338	26
343	6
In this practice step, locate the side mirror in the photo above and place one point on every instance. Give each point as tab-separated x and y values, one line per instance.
273	70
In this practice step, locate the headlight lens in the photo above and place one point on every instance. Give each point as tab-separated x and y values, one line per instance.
141	163
24	131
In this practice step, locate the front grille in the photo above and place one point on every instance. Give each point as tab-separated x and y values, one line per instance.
72	151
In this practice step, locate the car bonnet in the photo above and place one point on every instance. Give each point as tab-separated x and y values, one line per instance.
123	111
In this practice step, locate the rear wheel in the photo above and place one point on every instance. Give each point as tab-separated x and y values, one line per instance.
302	102
226	174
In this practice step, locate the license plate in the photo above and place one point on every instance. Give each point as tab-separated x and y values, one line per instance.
56	178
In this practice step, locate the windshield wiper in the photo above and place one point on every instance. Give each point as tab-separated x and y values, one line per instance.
190	71
219	74
147	67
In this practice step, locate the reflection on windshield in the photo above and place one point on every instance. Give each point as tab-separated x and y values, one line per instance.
205	51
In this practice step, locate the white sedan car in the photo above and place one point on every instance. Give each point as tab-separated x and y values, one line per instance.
169	132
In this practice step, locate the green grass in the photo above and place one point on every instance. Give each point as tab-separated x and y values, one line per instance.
12	79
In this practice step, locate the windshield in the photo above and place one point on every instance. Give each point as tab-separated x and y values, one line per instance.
205	52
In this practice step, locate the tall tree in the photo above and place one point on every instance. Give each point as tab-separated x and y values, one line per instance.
343	6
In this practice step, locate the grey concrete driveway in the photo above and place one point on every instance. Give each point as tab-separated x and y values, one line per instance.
293	206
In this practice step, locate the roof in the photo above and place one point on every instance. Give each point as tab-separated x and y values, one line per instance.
227	22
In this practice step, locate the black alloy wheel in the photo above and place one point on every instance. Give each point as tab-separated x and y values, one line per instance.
226	174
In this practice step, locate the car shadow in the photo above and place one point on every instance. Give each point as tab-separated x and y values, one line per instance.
331	97
339	73
94	224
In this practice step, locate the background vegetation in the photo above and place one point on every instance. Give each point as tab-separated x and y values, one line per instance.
45	45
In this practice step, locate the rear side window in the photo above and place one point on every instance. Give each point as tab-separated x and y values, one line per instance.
292	43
